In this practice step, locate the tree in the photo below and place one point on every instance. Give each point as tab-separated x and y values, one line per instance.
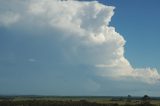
146	100
128	100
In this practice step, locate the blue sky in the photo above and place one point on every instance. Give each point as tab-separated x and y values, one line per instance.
78	48
138	21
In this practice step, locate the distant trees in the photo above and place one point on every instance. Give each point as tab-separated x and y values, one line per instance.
129	99
146	100
52	103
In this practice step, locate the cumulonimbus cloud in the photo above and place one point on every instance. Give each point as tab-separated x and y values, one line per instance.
85	30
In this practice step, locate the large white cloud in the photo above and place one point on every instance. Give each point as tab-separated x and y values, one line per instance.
85	32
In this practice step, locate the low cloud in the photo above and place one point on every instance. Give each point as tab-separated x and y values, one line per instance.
32	60
8	18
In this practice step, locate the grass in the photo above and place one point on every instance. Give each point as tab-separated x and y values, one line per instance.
100	100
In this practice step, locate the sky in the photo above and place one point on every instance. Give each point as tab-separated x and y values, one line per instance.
82	48
134	20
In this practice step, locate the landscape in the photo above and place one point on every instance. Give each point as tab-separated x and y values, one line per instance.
33	100
79	52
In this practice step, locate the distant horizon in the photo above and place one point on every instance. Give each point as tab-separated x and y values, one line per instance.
28	95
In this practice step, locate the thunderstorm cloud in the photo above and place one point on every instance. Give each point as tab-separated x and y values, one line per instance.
80	34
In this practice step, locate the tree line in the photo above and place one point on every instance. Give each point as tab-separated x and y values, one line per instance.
145	101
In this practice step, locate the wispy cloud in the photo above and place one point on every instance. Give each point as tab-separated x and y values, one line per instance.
8	18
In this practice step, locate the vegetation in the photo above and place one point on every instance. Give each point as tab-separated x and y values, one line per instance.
79	101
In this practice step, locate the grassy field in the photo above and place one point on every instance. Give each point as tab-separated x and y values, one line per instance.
91	99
